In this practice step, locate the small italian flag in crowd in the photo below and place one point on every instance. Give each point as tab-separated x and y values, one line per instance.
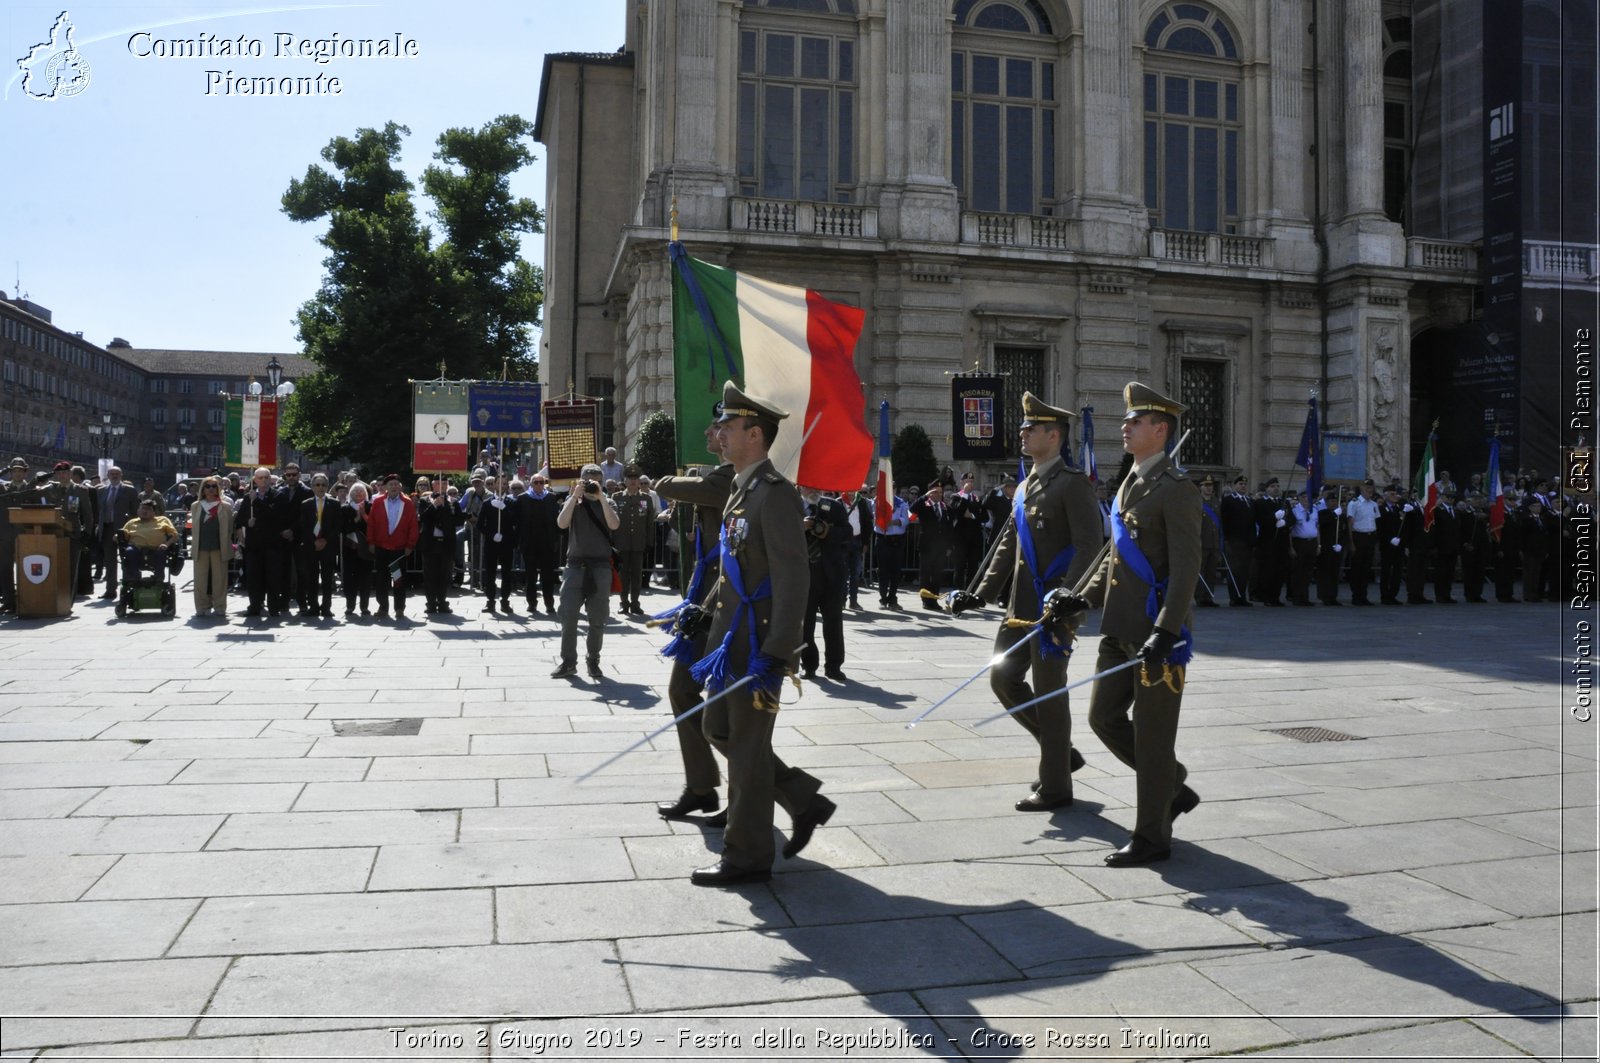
251	437
786	345
1427	485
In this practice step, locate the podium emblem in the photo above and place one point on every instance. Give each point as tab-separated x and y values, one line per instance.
36	568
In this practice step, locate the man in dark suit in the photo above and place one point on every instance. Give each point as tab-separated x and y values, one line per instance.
1272	543
1154	548
265	527
1473	526
827	526
967	516
1238	540
437	519
497	542
1049	543
118	503
316	540
539	540
760	596
1332	533
1414	537
294	491
1446	548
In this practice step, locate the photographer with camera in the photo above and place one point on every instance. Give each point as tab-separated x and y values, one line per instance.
589	519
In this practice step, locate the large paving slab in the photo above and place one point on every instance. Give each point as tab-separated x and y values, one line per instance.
202	867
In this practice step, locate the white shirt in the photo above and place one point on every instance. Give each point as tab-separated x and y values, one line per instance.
1363	514
1305	521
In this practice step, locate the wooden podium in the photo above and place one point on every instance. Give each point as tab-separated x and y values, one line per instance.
43	561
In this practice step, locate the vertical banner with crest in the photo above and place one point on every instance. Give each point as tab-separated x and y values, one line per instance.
439	432
503	409
978	429
571	436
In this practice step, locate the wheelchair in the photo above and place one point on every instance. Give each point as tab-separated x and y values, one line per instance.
155	590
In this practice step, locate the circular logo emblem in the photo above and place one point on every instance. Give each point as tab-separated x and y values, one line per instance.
441	429
66	74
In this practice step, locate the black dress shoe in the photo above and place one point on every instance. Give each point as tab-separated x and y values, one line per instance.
1245	604
1137	851
718	821
837	675
687	802
816	814
565	670
594	670
810	673
488	606
1036	803
505	605
721	874
1184	801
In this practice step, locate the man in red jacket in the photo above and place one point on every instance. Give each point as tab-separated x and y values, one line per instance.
392	533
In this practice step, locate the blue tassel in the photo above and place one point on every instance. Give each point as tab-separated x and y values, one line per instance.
1183	654
766	674
711	671
680	650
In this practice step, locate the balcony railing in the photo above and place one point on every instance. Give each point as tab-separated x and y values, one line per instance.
804	218
1014	230
1449	255
1210	248
1555	260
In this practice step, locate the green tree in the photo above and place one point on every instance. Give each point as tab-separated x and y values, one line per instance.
655	449
392	306
912	456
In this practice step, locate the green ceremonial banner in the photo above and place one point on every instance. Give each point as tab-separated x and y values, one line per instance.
701	361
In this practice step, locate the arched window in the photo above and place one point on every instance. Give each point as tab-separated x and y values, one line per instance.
797	100
1191	120
1003	106
1396	117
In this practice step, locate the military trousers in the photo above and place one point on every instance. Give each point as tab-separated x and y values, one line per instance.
757	779
700	772
1139	725
1050	722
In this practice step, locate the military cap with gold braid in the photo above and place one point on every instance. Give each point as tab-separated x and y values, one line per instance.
1035	411
736	403
1141	398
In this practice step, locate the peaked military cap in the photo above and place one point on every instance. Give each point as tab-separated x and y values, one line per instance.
18	463
735	403
1208	481
1035	411
1142	398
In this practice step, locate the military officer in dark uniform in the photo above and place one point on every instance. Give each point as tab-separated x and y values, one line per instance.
1332	532
1391	546
1272	543
1048	543
1414	537
1238	540
635	535
759	605
1474	528
1155	547
935	526
1210	545
828	550
1446	536
73	502
708	494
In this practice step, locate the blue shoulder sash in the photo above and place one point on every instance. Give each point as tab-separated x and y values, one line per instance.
1128	550
1030	555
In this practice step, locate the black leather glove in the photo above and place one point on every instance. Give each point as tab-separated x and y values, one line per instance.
694	621
1158	647
1061	604
961	601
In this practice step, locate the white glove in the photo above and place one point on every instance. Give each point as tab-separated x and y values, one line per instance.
1279	516
1338	548
496	536
1395	541
1338	511
1407	508
498	503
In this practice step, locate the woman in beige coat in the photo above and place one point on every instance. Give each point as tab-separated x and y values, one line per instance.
211	543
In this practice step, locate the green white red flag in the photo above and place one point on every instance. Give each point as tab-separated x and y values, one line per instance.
250	438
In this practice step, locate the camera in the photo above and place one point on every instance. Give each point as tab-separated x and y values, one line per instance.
591	487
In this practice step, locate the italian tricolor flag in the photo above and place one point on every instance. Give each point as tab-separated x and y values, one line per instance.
785	345
1427	485
251	437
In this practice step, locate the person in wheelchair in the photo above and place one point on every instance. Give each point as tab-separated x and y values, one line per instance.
146	541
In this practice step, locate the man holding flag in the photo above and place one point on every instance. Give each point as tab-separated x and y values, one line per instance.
1049	543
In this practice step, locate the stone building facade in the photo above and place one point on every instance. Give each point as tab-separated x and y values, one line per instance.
1207	196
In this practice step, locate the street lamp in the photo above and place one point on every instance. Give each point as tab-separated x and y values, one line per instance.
183	449
105	432
274	373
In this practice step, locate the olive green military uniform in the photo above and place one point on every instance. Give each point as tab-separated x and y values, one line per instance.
708	494
1062	515
764	525
12	493
72	501
1138	723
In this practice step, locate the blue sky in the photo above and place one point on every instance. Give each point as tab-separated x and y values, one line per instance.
144	208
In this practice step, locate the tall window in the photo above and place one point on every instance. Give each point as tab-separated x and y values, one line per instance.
1396	117
1204	392
797	100
1022	368
1191	120
1003	108
604	390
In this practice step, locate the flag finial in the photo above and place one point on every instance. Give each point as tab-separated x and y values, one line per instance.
672	217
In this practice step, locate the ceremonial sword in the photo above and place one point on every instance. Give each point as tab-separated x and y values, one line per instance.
663	729
1070	686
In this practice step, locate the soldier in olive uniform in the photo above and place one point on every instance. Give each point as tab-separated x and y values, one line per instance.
636	534
73	503
1155	547
1048	543
708	494
15	492
759	606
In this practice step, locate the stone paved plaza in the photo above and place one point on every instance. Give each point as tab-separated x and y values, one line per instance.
211	850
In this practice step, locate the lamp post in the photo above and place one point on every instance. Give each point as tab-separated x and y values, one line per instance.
274	374
105	432
180	450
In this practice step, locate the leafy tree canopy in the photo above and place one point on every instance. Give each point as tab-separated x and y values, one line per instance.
655	450
394	304
912	456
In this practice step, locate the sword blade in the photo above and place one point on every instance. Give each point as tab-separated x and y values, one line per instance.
976	676
1070	686
663	729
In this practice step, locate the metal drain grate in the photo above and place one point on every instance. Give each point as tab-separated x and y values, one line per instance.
371	728
1314	734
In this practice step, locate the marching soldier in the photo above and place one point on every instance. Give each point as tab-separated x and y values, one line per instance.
1145	587
1049	543
708	494
756	631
